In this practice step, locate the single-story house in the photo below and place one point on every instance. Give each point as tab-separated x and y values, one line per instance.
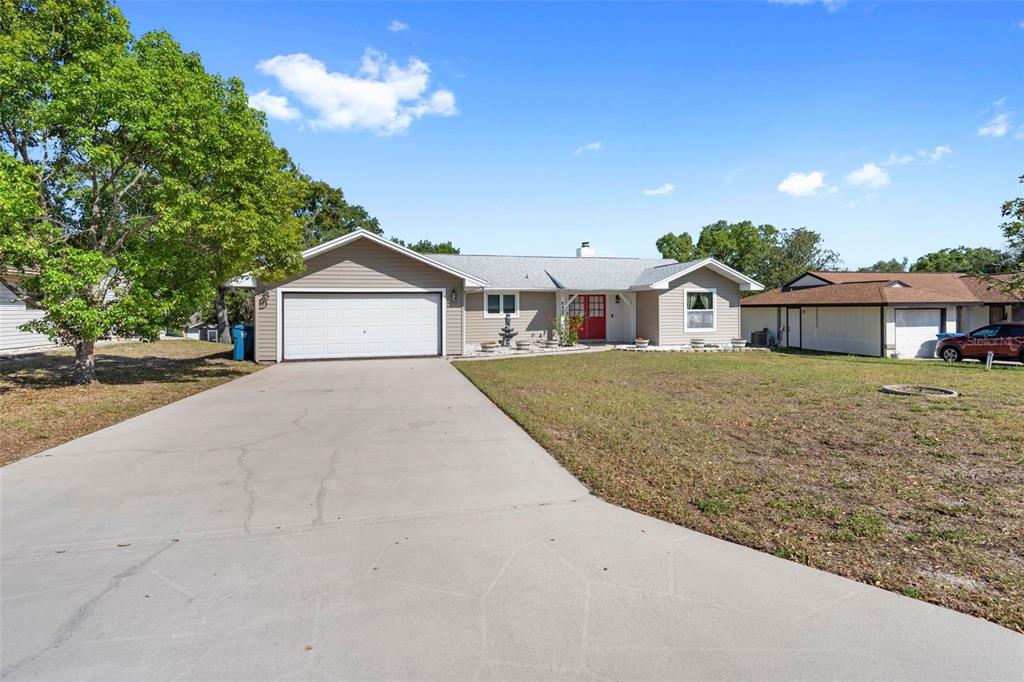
885	314
14	312
363	296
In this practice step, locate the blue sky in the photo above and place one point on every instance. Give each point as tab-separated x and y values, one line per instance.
891	128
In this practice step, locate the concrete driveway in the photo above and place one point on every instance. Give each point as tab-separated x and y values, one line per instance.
381	519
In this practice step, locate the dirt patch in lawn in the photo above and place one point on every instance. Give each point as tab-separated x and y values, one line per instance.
800	456
39	409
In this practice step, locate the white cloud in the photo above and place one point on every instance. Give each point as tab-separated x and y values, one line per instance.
667	188
935	154
830	5
898	159
997	126
382	96
589	147
397	26
273	106
803	184
868	175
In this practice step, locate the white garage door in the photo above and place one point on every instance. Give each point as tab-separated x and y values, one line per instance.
915	332
319	326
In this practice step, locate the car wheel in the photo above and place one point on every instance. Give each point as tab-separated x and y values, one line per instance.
950	354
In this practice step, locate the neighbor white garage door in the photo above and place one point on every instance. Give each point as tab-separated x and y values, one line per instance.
915	332
323	326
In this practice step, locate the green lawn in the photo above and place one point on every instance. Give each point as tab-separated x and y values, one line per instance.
39	409
800	456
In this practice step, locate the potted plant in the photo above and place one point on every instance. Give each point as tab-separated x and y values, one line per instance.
739	343
488	346
641	342
696	343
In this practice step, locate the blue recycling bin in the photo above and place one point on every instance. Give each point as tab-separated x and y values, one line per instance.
243	336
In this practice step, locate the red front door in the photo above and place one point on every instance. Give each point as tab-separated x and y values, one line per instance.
591	308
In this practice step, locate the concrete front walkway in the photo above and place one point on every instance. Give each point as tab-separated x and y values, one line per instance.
381	519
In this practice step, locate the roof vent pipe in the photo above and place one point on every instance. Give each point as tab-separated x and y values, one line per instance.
585	251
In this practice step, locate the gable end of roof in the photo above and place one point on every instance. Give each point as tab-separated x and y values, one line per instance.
470	280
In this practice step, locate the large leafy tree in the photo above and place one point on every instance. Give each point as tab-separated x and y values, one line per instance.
800	250
327	215
763	252
427	246
1013	231
131	181
982	260
891	265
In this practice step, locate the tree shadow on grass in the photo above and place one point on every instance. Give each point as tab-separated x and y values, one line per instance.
51	370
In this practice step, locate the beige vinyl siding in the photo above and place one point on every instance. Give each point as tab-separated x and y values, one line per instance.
360	264
756	319
535	309
671	311
842	329
13	314
647	303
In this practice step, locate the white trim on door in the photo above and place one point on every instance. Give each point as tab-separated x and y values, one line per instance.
359	290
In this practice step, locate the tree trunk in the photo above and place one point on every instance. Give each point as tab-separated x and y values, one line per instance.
85	363
223	323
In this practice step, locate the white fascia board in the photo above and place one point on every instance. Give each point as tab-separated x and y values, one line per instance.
746	284
468	279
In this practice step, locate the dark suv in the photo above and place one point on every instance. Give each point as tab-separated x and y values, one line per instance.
1005	340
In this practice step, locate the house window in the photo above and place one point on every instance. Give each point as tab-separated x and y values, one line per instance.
700	310
501	303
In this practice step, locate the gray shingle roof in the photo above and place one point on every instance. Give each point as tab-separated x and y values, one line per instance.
557	272
656	274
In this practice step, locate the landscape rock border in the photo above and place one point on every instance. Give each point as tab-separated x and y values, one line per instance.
919	390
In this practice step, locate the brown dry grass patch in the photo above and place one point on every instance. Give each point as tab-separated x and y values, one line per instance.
801	456
39	409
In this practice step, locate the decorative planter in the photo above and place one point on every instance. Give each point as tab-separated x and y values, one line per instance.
696	343
523	345
739	343
488	346
641	343
550	343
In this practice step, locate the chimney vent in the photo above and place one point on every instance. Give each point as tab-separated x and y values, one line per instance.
585	251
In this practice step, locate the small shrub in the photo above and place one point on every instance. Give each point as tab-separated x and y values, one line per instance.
566	328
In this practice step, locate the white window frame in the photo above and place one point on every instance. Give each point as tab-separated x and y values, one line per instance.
686	309
500	315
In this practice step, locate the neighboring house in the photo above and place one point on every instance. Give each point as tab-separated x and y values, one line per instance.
876	313
364	296
14	312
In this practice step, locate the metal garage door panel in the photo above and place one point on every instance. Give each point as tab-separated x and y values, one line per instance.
325	326
915	332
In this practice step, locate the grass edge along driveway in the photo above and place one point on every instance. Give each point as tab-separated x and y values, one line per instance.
800	456
39	409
